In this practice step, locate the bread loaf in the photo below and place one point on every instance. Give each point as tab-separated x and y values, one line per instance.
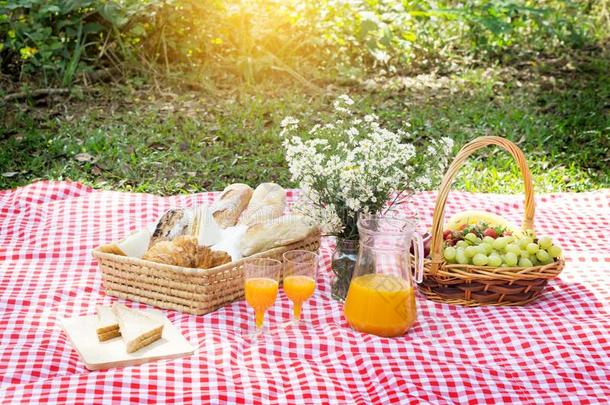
173	223
232	202
268	202
276	232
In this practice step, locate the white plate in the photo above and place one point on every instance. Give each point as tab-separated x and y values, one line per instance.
112	353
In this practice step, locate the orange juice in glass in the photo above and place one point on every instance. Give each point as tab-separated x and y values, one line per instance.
381	296
300	267
261	286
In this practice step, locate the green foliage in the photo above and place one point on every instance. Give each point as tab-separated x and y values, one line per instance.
40	36
254	40
500	25
243	40
398	34
223	44
54	40
194	142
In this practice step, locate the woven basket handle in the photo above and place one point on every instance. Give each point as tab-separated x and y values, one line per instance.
468	149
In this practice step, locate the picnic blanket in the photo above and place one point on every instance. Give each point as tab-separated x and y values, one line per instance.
553	351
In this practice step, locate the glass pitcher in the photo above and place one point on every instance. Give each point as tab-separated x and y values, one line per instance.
381	295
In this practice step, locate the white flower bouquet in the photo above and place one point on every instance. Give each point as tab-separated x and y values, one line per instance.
353	165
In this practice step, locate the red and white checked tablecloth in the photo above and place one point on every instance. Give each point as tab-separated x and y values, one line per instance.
556	350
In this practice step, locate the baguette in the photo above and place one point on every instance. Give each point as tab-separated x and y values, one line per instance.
232	202
268	202
274	233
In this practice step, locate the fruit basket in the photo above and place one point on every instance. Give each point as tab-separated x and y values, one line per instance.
472	285
191	290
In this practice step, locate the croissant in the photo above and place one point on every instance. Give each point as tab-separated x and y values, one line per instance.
220	257
203	258
184	251
181	252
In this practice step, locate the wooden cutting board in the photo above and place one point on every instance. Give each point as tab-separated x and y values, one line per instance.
112	353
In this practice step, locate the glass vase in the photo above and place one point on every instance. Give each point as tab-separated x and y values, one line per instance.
343	263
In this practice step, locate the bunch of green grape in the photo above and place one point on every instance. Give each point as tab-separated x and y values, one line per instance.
505	251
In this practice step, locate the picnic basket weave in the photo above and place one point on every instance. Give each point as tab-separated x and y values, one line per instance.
195	291
483	285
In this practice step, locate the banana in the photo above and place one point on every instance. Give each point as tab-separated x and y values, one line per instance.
472	217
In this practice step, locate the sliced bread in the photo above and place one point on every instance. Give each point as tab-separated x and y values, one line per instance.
137	328
107	325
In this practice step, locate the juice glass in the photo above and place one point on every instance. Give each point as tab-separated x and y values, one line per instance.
300	269
381	295
261	285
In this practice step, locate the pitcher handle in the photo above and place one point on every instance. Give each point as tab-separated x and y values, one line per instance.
419	257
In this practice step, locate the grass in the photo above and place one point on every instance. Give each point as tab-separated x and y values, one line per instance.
133	138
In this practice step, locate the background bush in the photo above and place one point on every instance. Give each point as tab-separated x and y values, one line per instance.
60	41
54	40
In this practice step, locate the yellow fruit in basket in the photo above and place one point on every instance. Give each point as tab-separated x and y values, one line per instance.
472	217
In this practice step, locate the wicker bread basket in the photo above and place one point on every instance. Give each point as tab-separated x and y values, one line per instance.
483	285
195	291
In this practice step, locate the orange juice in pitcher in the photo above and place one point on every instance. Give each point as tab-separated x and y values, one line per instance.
381	295
383	305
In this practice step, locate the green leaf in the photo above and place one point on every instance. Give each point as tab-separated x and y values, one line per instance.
49	8
93	28
111	13
409	36
72	5
367	26
138	30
